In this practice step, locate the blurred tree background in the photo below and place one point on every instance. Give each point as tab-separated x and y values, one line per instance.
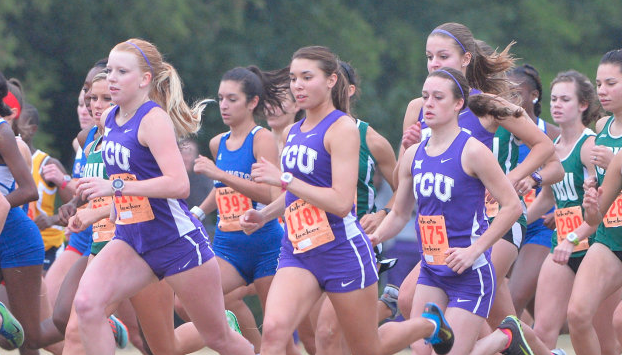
50	45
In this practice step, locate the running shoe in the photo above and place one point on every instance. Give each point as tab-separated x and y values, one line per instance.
10	329
518	344
558	351
389	297
119	330
232	320
442	339
384	264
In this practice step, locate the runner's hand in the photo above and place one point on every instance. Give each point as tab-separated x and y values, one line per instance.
460	259
91	187
265	172
412	135
371	221
562	252
251	221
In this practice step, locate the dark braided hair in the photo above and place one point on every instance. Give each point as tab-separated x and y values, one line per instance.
529	72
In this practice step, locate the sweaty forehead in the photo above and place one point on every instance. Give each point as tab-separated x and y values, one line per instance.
122	58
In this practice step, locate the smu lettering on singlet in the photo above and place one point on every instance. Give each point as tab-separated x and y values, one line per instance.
467	121
365	189
609	231
569	195
54	235
125	156
80	159
450	206
232	204
305	156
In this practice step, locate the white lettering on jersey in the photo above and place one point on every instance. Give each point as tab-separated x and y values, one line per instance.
116	154
426	183
565	189
299	156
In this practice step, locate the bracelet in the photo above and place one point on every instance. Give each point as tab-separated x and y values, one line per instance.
197	211
386	210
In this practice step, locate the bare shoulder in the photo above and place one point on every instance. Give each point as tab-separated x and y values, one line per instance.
600	124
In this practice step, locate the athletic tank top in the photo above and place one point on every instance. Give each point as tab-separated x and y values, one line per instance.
569	192
80	159
610	235
467	121
450	206
310	229
231	204
53	236
365	189
160	220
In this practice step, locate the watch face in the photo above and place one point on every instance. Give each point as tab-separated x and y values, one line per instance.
287	177
117	183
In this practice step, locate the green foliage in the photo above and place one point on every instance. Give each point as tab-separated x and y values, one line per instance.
50	45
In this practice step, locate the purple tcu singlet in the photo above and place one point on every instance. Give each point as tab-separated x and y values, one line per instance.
123	154
306	158
442	188
467	121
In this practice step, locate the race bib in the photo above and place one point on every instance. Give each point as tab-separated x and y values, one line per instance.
231	205
131	209
307	226
433	239
613	218
103	230
530	197
567	220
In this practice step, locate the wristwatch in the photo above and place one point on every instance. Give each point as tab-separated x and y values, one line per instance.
286	179
537	178
117	186
573	238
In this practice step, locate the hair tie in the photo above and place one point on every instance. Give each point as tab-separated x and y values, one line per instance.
448	34
456	81
11	101
144	56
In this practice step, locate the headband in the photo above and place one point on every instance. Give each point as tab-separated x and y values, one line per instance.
456	81
350	77
11	101
144	56
448	34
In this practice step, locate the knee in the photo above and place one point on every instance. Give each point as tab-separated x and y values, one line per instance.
327	336
579	316
275	334
87	308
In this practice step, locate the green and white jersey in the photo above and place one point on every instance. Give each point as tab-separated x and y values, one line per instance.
365	189
609	236
569	192
505	148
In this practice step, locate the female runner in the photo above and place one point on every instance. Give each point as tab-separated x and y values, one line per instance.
156	236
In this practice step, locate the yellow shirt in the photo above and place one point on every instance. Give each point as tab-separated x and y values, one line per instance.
53	236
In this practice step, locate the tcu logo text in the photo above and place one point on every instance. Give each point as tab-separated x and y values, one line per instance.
116	154
301	156
426	183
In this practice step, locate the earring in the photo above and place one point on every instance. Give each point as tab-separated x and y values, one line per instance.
141	86
535	101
